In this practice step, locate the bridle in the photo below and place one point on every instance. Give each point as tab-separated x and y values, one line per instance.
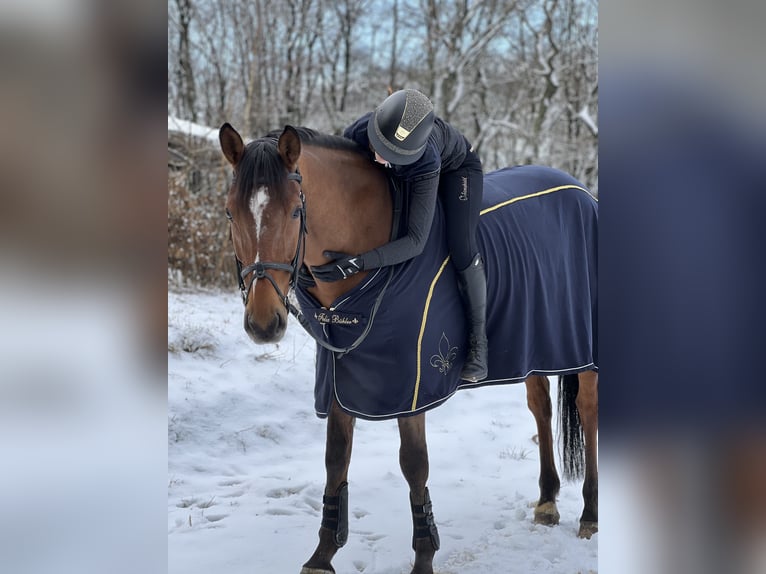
260	270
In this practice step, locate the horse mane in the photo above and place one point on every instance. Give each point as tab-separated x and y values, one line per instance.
261	164
319	139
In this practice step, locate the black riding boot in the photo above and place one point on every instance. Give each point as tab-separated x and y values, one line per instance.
473	288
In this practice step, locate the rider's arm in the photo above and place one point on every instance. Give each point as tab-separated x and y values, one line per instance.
422	198
358	131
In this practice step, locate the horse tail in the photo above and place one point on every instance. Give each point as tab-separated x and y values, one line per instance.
570	428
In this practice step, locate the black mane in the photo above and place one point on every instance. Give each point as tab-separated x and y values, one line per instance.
261	164
319	139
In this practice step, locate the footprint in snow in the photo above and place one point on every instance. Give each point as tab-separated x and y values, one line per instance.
285	491
280	512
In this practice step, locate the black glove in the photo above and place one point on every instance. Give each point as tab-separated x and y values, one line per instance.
344	266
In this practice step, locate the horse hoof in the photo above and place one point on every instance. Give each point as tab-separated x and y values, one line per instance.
587	529
547	514
306	570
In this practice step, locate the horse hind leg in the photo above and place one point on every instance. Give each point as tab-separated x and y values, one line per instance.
539	402
334	530
587	407
413	459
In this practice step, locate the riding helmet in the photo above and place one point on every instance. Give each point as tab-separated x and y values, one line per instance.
400	126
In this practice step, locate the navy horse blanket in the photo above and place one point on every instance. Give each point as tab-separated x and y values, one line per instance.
538	236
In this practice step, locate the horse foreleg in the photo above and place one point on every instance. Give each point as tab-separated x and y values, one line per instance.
587	407
539	402
413	459
334	530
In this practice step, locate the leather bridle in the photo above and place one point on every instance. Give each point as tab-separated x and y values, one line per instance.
260	270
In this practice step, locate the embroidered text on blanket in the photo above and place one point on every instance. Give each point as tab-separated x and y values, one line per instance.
334	318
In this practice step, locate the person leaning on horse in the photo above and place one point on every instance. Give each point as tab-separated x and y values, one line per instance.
431	158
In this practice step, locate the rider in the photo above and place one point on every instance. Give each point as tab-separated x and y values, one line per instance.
431	158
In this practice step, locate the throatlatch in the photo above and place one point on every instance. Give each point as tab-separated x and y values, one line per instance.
335	514
423	524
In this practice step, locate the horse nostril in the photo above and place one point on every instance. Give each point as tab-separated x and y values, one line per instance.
249	325
279	322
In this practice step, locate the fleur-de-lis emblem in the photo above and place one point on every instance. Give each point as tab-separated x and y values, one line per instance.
447	354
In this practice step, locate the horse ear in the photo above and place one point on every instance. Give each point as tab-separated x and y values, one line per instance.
231	144
290	147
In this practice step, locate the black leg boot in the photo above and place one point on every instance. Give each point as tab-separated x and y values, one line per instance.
335	514
473	288
423	523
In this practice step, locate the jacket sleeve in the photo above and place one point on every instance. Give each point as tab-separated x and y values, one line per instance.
422	196
358	131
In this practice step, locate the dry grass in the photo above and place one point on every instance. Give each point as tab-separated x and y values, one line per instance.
199	248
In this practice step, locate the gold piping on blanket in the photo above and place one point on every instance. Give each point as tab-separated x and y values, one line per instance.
444	264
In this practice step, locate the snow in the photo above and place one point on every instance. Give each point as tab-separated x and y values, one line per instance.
246	466
585	116
191	129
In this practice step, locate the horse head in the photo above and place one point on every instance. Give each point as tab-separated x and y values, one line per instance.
264	205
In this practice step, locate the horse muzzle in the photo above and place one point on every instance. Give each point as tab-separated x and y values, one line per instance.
269	331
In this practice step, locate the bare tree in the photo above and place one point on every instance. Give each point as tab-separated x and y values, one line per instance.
337	61
394	46
301	32
518	77
458	35
184	70
214	71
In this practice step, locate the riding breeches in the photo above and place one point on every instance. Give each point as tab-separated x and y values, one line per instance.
461	193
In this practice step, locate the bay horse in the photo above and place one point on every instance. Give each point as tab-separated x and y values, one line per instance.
299	193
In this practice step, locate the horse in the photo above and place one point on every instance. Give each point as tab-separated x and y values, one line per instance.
298	193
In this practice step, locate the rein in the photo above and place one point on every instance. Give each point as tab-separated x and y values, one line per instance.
260	269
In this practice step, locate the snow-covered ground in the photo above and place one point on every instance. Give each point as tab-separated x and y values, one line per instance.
246	466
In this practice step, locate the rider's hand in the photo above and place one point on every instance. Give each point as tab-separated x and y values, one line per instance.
343	266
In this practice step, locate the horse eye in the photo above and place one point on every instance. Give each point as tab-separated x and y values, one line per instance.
297	213
228	215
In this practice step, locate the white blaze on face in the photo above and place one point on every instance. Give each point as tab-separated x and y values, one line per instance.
258	204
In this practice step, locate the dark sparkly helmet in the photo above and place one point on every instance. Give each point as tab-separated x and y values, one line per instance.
400	126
